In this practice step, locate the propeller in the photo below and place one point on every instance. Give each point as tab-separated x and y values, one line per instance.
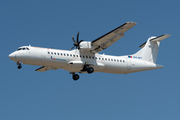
76	42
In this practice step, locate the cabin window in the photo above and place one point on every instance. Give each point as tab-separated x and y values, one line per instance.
73	55
114	60
106	59
80	56
55	53
27	48
89	57
83	56
92	57
86	56
123	61
48	52
58	53
111	59
95	57
67	54
52	53
61	54
117	60
64	54
99	58
102	58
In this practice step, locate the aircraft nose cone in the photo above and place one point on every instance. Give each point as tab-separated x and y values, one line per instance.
12	56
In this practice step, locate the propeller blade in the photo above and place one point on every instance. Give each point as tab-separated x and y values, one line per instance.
73	39
72	47
77	37
76	42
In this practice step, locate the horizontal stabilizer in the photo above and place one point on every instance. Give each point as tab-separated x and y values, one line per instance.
156	39
160	38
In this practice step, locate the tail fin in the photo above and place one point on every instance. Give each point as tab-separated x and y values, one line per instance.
150	48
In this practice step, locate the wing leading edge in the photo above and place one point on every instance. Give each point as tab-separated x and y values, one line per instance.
111	37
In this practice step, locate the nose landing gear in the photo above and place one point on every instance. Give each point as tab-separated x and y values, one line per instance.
19	65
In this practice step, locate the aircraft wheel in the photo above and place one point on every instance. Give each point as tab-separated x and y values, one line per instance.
90	70
19	67
75	77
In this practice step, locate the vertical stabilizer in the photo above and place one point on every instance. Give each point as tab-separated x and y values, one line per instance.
150	49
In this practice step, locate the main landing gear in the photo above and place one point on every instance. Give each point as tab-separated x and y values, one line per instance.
86	68
19	65
75	76
90	70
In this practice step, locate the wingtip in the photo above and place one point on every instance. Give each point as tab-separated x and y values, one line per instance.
131	22
168	35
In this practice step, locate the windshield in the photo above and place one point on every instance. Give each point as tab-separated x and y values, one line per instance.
24	48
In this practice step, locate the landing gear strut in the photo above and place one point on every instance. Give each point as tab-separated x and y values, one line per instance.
88	68
75	76
19	65
85	68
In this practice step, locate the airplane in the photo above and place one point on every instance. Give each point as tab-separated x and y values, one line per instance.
85	58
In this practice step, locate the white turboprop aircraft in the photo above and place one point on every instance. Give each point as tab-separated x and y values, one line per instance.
85	58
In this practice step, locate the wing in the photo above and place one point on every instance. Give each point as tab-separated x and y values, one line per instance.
111	37
45	68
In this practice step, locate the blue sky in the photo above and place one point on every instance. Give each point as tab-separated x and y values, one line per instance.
53	95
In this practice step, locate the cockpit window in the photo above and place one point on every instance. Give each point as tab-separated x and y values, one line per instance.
22	49
19	49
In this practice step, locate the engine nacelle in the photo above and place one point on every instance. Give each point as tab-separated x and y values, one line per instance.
85	45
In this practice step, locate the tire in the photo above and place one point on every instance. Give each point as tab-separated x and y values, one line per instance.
75	77
19	67
90	70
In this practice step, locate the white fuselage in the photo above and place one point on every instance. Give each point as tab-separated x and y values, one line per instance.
74	60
